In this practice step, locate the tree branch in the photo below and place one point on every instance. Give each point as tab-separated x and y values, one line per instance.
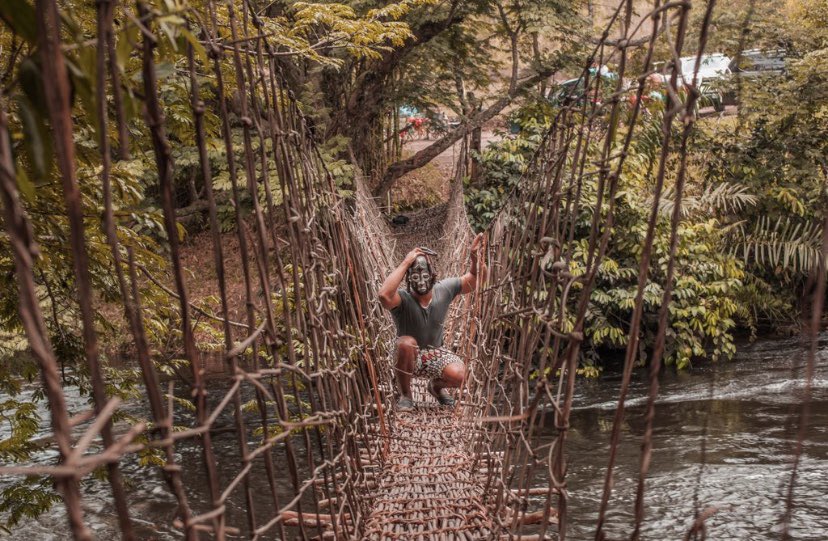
424	156
367	85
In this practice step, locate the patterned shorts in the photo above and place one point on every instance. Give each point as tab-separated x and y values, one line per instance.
431	362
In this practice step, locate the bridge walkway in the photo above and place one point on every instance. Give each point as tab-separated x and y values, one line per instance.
431	486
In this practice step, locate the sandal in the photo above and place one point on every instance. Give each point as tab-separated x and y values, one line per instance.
442	395
405	404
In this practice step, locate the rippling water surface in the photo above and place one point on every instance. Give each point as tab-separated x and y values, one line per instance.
723	437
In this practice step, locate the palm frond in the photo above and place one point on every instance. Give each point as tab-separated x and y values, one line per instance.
724	198
786	244
667	202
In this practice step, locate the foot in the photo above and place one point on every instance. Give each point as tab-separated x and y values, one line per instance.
405	404
441	394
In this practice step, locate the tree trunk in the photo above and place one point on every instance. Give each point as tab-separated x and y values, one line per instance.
475	146
361	118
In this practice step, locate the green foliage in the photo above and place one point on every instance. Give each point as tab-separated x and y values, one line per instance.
505	162
776	151
470	62
707	280
28	498
753	207
341	170
20	420
784	244
362	36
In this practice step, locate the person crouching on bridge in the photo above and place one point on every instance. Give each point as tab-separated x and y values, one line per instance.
419	312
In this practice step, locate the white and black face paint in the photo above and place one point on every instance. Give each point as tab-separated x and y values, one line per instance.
419	276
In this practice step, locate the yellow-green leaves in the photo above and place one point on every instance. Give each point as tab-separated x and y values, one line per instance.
316	30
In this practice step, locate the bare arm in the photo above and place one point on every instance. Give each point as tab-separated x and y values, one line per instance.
477	267
388	295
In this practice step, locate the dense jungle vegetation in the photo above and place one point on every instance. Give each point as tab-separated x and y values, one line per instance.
751	235
750	241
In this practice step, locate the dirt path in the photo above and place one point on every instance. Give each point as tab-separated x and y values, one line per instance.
446	161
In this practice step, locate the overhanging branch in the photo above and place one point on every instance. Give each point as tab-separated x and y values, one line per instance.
424	156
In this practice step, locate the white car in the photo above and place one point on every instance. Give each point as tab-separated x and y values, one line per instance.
712	67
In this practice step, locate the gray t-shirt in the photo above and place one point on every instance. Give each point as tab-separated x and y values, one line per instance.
426	324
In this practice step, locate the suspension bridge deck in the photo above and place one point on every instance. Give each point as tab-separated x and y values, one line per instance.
431	486
299	390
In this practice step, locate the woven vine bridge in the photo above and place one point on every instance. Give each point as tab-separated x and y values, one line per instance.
321	454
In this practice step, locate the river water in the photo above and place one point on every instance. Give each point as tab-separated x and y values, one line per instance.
723	437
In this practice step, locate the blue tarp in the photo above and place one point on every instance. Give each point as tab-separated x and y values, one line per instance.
408	110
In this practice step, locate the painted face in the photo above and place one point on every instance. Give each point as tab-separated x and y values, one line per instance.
419	276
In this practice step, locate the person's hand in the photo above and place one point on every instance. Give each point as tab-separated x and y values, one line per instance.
478	244
412	256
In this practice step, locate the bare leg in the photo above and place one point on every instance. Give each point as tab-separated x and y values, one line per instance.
406	361
453	376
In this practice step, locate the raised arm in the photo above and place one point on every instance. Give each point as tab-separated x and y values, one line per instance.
388	295
477	265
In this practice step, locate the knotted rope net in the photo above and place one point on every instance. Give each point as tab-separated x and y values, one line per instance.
311	383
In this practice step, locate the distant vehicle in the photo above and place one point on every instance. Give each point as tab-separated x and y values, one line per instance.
756	62
574	91
567	92
713	68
